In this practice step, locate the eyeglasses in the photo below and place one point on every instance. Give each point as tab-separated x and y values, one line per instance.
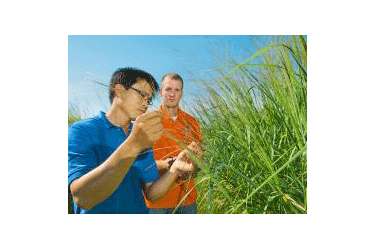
143	94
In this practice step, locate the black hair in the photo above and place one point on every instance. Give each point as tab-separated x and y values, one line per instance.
129	76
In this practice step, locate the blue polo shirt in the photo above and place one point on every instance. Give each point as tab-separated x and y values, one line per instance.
90	143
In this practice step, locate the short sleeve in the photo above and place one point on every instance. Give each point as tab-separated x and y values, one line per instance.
81	156
146	166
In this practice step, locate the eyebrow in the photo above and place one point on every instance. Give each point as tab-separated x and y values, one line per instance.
148	96
172	88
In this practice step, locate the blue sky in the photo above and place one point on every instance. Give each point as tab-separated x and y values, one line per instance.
193	57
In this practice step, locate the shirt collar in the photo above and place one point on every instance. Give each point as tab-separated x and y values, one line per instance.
166	115
108	125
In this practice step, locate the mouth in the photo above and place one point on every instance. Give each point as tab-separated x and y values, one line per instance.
143	111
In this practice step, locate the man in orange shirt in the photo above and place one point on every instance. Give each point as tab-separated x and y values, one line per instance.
186	129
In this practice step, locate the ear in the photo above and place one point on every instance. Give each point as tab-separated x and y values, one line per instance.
119	90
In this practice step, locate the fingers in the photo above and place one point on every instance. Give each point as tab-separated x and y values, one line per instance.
150	116
152	122
155	123
155	136
148	128
192	145
183	166
194	148
183	155
198	151
149	119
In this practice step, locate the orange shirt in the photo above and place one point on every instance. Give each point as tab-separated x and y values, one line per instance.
187	130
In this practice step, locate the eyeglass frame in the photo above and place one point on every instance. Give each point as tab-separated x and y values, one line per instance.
143	94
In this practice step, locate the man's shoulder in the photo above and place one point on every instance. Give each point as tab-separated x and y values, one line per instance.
188	116
88	124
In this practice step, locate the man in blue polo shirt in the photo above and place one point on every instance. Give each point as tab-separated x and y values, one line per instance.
110	161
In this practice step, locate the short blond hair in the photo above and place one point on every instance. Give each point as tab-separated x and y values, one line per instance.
172	76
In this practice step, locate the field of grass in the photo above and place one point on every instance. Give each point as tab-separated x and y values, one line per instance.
256	134
254	123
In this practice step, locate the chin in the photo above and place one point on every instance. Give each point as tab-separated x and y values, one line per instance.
134	116
172	105
137	114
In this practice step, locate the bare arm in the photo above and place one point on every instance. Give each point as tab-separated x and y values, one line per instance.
182	164
162	164
158	189
98	184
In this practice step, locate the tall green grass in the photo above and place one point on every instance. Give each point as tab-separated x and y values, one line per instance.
74	113
255	134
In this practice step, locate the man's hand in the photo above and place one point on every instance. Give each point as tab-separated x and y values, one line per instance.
147	130
183	163
196	149
164	164
98	184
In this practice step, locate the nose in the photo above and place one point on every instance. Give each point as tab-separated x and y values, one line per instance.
148	101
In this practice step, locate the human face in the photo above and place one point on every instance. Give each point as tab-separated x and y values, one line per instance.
133	102
144	95
171	92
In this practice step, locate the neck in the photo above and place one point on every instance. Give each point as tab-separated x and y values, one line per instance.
118	118
172	111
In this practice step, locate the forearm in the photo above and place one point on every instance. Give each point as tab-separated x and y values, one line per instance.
97	185
159	188
161	165
181	164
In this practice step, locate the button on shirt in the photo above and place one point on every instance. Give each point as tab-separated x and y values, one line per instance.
90	143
